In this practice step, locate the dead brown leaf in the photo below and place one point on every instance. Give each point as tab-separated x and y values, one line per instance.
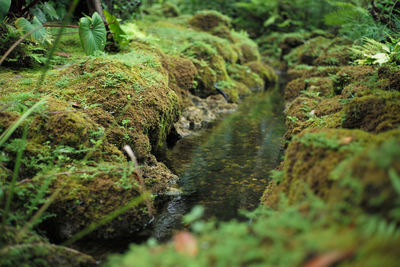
185	243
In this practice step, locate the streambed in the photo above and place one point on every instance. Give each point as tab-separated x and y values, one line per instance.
225	168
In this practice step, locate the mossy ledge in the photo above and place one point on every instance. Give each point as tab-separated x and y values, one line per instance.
97	105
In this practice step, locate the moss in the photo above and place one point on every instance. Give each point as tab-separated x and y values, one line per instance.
205	80
264	71
167	10
246	76
372	113
366	180
91	193
389	78
306	71
248	48
321	51
181	75
62	125
293	88
205	52
207	20
309	159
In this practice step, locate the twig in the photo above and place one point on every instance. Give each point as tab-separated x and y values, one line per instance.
139	173
17	43
60	25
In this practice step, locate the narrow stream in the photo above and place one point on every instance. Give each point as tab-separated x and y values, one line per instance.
226	167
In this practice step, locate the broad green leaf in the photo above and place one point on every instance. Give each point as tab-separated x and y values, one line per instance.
270	21
49	10
92	33
40	35
39	14
115	28
4	7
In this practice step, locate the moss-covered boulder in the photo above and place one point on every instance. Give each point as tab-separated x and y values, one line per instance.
87	196
181	75
373	113
246	76
264	71
209	20
340	166
30	249
321	51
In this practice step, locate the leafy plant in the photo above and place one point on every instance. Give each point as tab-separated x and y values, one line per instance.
376	53
4	7
118	34
38	32
92	33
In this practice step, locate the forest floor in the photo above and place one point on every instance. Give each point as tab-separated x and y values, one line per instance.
333	200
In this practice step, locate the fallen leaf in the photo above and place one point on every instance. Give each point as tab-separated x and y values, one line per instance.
62	54
185	243
346	140
329	258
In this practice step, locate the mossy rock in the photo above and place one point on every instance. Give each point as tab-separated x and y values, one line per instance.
168	10
389	78
207	20
306	71
348	75
136	96
247	47
206	80
246	76
350	168
309	159
205	52
293	88
33	250
181	75
264	71
92	193
321	51
373	113
368	180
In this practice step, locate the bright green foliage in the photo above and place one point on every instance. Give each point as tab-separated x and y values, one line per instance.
354	21
39	34
4	7
118	34
373	52
92	33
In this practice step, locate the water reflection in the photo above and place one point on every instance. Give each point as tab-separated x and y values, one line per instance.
226	168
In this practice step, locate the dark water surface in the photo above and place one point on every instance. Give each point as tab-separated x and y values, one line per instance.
226	167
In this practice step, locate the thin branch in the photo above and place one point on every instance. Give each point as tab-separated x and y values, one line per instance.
60	25
17	43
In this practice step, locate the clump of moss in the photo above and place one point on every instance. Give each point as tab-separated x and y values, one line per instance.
369	179
264	71
181	75
207	20
309	159
372	113
167	10
389	78
321	51
246	76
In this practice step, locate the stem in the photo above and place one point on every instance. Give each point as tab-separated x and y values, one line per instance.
17	43
59	25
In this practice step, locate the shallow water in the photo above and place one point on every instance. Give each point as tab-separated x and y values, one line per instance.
226	167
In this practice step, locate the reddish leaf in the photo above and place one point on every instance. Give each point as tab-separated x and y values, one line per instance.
329	258
185	243
346	140
62	54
